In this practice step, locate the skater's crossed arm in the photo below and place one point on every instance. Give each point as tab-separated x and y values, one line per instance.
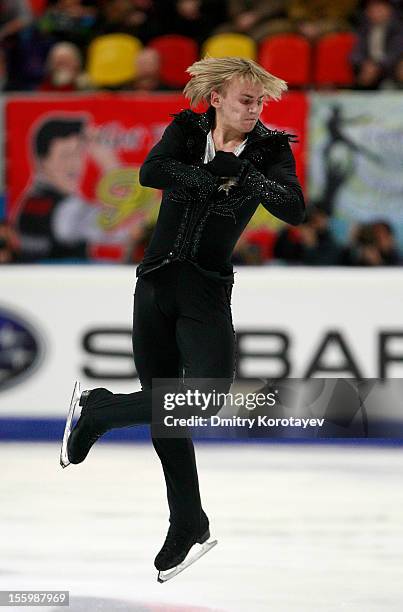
279	188
166	168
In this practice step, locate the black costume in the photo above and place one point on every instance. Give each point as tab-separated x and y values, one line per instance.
182	312
196	222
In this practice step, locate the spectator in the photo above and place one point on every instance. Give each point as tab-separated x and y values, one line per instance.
8	244
314	18
256	18
194	18
15	17
63	68
113	17
144	20
371	244
68	20
385	242
148	71
379	46
135	17
311	243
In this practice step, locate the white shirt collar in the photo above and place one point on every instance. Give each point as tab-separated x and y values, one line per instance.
210	151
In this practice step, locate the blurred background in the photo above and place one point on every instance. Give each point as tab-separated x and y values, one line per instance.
87	88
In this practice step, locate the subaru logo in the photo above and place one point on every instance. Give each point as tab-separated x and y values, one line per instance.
20	349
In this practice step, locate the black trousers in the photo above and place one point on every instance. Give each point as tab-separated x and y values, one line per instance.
182	326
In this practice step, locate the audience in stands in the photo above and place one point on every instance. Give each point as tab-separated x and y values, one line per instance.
256	18
15	17
194	18
314	18
138	18
310	244
68	20
63	69
148	72
379	46
25	43
371	244
49	54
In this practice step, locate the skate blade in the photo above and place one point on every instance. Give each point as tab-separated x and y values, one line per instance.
163	576
64	460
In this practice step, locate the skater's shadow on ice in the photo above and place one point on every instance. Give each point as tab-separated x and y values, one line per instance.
98	604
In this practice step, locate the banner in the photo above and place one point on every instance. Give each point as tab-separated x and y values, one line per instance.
356	156
83	152
294	323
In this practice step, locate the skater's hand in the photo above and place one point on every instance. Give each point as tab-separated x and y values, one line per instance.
224	164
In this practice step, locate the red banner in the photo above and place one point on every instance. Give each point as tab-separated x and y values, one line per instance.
105	139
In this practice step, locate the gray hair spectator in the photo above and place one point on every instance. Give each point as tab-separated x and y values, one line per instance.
63	68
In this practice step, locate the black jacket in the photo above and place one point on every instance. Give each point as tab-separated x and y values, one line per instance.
197	222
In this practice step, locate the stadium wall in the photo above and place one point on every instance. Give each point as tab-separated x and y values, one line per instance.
62	323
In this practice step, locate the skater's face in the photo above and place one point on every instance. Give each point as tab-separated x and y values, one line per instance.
239	105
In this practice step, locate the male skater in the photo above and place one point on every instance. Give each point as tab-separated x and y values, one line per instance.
215	169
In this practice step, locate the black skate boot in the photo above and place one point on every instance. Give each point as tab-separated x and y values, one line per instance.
174	555
78	442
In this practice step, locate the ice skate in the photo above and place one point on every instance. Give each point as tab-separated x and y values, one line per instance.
78	441
180	550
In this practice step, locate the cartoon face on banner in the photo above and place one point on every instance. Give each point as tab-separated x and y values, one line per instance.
73	165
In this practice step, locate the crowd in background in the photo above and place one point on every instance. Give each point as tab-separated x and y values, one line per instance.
43	47
46	49
314	244
311	244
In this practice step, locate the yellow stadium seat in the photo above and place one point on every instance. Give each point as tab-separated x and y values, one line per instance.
111	59
235	45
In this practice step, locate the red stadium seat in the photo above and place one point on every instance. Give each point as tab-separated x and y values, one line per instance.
332	60
177	53
38	7
287	56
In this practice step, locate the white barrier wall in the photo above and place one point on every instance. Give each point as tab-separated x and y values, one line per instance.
58	323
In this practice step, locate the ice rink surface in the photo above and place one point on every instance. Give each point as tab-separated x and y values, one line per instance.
299	528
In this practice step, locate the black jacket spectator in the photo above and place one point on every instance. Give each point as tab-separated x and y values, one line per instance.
379	46
311	244
15	16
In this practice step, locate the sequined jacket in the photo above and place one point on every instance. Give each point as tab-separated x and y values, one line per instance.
199	223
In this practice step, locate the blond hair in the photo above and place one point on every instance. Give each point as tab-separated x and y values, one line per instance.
213	74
